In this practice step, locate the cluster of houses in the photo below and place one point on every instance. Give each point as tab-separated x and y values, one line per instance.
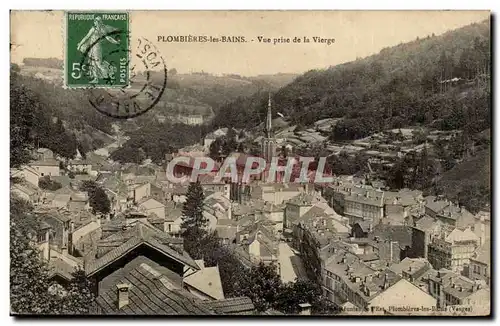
134	254
403	250
373	251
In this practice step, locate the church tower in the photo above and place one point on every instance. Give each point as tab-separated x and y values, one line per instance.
268	142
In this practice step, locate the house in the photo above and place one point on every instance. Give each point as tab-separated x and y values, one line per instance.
26	191
480	264
356	201
452	289
422	232
123	248
58	224
44	154
60	271
145	290
297	207
447	212
173	219
79	201
218	205
60	201
46	167
279	193
348	279
259	241
140	191
82	223
399	235
398	297
205	283
413	270
27	173
398	206
80	166
152	206
226	230
452	250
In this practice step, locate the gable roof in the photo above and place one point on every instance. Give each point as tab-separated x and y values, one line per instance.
150	203
151	293
125	241
58	266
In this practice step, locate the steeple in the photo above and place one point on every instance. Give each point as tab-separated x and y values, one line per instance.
269	127
268	142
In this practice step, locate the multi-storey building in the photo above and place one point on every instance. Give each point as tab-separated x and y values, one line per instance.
452	289
452	250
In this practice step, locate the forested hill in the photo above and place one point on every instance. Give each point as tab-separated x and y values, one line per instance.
400	86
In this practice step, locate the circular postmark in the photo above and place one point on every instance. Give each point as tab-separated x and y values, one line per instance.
147	78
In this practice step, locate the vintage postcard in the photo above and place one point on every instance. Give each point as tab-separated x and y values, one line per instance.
275	163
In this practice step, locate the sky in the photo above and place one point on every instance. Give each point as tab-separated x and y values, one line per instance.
40	34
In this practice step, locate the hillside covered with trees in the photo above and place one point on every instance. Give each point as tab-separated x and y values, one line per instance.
400	86
437	82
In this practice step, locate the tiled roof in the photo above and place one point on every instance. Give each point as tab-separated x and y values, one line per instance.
358	276
233	306
150	203
226	231
25	188
66	190
434	204
151	293
48	162
302	199
123	242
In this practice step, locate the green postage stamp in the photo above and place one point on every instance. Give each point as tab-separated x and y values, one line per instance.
97	49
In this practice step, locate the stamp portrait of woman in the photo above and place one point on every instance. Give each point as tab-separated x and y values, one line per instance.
92	45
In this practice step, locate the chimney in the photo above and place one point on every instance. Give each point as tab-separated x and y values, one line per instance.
122	295
305	309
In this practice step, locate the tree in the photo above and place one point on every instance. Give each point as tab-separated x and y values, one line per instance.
98	199
262	284
232	271
29	275
193	222
46	183
79	297
172	72
303	291
192	211
22	108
